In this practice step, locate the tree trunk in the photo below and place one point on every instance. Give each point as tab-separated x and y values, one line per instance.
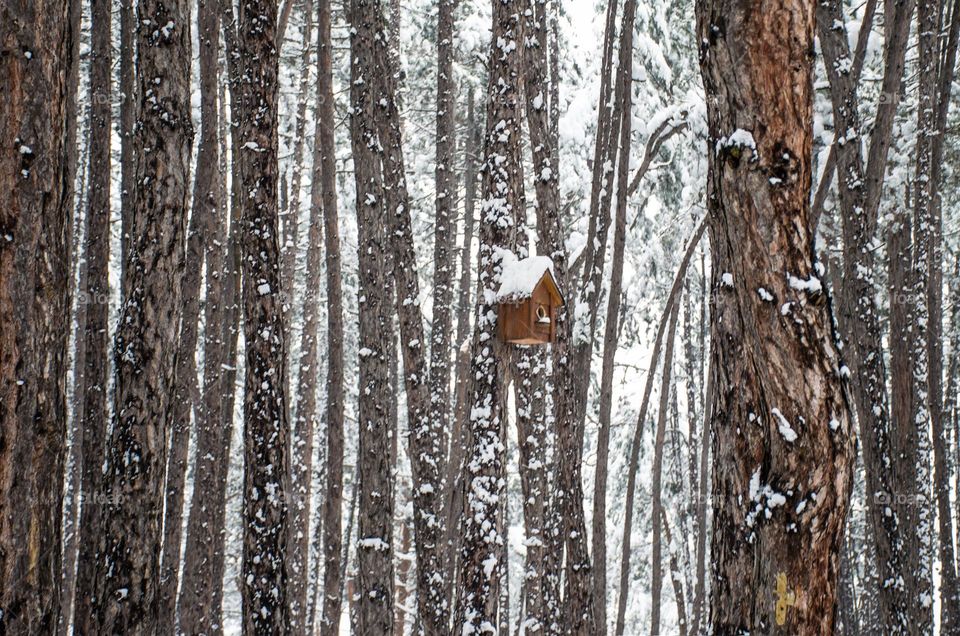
324	158
374	610
656	559
200	241
922	554
127	562
291	212
783	446
305	423
128	113
699	591
201	593
445	226
95	297
35	226
266	480
453	478
481	566
633	462
199	611
425	433
858	313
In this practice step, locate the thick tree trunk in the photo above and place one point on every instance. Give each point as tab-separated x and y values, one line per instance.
266	481
783	446
374	608
127	563
34	219
529	371
481	565
325	159
95	297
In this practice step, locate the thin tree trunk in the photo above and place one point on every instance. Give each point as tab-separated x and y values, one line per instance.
73	493
950	588
783	446
127	563
200	240
291	213
481	566
333	500
304	425
426	435
675	577
700	591
128	114
199	595
656	514
266	480
34	215
95	297
634	460
453	477
445	226
921	562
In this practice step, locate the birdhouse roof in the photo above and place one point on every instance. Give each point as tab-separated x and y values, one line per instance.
520	278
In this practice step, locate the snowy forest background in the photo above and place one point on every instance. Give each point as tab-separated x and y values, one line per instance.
629	194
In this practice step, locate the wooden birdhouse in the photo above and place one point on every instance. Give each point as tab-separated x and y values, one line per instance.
528	301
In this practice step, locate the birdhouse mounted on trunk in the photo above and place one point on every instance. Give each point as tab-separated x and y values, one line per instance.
528	301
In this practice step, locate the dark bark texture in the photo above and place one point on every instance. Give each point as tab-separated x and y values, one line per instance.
782	440
35	45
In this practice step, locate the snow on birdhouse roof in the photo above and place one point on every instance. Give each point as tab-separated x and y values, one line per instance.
520	278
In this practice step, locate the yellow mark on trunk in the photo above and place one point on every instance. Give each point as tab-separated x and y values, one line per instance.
785	598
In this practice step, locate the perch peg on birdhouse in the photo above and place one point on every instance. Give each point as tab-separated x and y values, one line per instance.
528	301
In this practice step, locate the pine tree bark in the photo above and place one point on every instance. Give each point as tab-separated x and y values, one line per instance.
34	240
326	160
266	482
480	559
127	562
374	597
95	297
783	446
445	227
